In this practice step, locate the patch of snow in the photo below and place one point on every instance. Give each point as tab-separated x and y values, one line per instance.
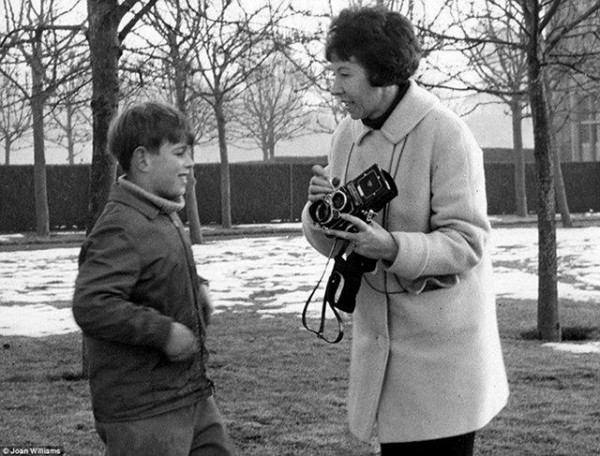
582	348
276	274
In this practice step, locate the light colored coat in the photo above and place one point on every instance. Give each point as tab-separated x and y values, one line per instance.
426	358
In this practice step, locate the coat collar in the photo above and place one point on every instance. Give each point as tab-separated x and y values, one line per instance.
121	195
410	111
147	203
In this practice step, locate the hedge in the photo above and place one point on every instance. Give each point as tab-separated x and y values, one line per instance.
260	192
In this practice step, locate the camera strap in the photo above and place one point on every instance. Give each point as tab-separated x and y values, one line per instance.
338	290
320	332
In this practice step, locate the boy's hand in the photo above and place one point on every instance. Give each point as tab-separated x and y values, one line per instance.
181	344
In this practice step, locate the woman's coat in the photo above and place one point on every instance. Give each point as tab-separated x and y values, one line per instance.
426	357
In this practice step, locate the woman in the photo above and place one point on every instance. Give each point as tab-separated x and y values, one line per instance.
426	368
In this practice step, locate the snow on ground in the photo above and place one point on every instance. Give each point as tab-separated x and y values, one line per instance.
276	274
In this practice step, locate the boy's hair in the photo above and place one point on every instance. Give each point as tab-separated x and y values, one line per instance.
148	125
382	41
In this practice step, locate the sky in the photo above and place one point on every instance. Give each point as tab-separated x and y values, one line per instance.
274	275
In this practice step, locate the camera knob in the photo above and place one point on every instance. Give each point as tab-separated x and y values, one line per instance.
370	215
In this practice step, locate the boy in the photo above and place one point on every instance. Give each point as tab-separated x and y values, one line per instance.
141	306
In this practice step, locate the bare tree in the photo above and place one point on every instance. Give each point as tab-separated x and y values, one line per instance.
497	68
178	24
40	41
15	118
304	51
105	46
546	26
273	109
545	37
232	48
70	116
499	62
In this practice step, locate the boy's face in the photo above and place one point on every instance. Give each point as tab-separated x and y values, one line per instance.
169	169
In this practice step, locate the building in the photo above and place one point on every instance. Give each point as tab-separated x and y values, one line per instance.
574	64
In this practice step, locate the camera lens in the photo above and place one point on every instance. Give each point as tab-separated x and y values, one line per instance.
338	200
322	212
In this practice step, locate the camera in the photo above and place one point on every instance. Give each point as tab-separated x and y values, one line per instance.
362	197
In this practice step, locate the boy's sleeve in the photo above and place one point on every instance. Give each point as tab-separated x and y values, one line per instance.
109	268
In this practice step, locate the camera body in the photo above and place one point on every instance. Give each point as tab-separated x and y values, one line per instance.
362	197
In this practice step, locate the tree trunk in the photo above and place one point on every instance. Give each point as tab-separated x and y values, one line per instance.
104	56
264	147
7	147
42	214
548	319
225	174
519	159
559	184
192	210
191	202
561	191
103	21
271	146
69	131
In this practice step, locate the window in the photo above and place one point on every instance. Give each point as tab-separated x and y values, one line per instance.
589	127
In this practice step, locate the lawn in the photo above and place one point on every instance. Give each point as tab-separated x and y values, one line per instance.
283	391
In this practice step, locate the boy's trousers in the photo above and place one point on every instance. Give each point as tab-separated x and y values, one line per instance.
194	430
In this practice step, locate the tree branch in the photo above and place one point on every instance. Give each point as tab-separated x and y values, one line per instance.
125	7
552	43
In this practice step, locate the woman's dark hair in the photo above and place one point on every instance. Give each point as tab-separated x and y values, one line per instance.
382	41
148	125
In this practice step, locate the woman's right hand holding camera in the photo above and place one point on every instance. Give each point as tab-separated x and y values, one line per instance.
319	185
181	344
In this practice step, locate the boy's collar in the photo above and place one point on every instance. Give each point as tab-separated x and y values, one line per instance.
163	204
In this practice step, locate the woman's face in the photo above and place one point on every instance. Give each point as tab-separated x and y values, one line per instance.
352	87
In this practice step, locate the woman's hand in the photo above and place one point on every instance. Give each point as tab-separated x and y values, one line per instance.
371	240
320	185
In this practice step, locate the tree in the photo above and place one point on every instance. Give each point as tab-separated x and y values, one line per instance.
500	70
39	43
547	30
178	24
105	41
272	108
546	37
105	47
15	118
70	116
233	46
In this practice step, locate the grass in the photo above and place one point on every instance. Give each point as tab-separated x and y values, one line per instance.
283	391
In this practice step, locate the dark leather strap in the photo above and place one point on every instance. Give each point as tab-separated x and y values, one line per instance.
320	332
